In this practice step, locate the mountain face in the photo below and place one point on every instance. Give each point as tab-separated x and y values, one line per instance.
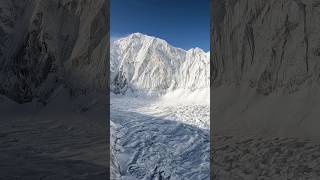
45	44
145	64
270	45
265	66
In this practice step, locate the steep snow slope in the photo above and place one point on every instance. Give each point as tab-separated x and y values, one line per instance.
265	67
46	43
141	63
265	89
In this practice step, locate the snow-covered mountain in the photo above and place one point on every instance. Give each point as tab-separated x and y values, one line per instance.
265	89
146	64
265	67
47	43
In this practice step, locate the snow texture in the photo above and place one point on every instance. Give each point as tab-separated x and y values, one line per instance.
65	139
265	86
53	83
47	43
159	110
152	140
265	67
265	158
142	64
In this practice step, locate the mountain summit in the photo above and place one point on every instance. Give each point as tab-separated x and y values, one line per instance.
142	63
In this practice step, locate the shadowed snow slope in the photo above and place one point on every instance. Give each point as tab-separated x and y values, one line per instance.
62	140
48	43
265	67
53	69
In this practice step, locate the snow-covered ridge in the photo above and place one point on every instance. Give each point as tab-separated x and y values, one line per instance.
149	65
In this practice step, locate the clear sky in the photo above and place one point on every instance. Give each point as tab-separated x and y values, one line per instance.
182	23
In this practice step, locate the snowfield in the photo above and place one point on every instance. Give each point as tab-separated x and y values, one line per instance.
159	110
152	140
176	106
265	158
65	139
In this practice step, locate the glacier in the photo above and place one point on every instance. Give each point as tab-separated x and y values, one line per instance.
159	110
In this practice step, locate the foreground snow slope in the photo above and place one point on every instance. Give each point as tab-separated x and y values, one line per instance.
265	158
150	139
146	64
65	139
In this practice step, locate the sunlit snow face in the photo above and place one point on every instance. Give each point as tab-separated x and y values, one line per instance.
151	65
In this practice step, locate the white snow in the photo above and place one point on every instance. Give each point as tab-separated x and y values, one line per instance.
151	139
149	65
169	107
159	110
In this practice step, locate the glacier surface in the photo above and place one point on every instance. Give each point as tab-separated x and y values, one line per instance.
159	110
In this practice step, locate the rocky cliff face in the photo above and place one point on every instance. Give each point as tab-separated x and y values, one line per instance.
268	50
45	44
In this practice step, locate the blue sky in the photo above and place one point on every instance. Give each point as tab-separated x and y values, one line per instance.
182	23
